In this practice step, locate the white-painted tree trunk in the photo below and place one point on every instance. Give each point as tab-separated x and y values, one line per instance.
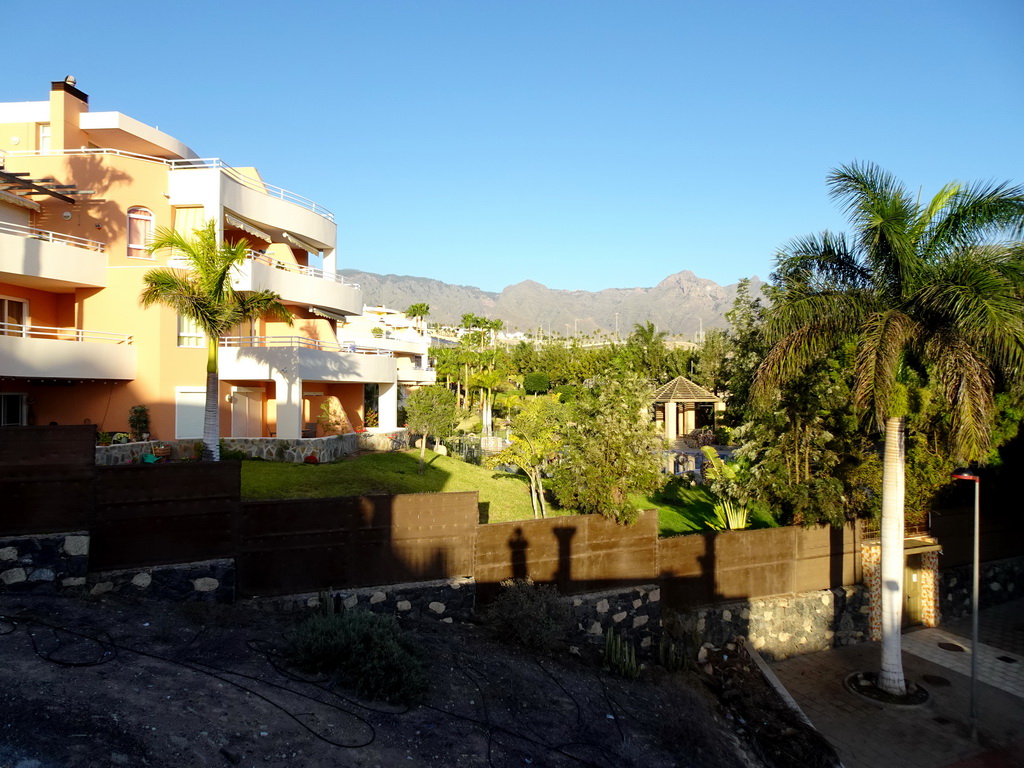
211	410
890	676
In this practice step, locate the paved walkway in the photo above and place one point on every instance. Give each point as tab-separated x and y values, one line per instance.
936	735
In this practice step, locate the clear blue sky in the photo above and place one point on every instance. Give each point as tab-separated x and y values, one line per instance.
585	144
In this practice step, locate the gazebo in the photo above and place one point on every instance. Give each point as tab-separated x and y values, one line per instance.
682	406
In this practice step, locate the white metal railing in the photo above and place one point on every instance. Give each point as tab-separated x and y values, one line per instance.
259	257
251	183
198	163
62	334
51	237
303	342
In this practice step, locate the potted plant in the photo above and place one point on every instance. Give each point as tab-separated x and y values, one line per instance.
138	422
102	438
161	450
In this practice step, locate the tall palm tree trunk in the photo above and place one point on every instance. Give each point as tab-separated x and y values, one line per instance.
890	677
211	410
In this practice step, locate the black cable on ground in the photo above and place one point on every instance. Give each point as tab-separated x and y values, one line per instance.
217	673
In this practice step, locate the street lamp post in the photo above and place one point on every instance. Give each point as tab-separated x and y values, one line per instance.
968	474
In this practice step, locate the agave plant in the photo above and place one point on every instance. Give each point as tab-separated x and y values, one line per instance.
730	513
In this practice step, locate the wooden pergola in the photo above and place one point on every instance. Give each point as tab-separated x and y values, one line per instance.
682	406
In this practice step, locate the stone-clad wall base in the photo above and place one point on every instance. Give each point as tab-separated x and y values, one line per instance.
208	581
296	451
1001	580
634	613
780	627
445	600
44	563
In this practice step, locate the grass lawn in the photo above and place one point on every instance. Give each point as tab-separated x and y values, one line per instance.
502	497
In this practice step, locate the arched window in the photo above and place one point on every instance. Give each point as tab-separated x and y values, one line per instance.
140	232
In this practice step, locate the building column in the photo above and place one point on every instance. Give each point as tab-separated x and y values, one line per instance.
689	417
671	413
289	406
387	405
330	265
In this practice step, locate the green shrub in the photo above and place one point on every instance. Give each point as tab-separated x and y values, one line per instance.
536	383
362	650
531	615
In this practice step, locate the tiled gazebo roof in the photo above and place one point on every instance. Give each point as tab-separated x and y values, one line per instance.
682	390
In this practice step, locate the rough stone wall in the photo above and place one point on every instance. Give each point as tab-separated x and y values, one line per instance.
324	449
444	600
44	563
929	576
209	581
1001	580
871	562
779	627
634	613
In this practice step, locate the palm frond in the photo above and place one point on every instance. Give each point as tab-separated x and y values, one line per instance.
820	262
979	213
885	337
966	382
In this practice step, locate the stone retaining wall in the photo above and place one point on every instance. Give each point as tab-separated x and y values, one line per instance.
780	627
296	451
634	613
44	564
1001	580
209	581
445	600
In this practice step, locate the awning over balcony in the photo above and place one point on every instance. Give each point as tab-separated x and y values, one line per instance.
328	314
245	226
298	242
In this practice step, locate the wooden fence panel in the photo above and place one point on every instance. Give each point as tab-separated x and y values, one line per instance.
706	568
159	514
311	544
46	477
581	553
1002	534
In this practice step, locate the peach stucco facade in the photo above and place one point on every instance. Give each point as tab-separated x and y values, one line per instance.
75	344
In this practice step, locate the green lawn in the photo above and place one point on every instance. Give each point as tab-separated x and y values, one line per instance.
502	497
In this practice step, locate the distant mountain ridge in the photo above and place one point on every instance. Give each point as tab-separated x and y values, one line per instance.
680	304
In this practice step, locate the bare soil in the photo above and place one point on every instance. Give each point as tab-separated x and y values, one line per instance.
108	683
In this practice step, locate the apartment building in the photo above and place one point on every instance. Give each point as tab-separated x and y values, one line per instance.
80	195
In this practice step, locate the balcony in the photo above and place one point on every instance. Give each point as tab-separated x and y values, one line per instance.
49	261
36	351
294	358
297	284
416	375
216	185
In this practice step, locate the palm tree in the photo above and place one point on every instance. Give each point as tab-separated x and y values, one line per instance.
930	291
202	292
418	311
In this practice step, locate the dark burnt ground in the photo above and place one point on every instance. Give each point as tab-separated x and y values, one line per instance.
107	682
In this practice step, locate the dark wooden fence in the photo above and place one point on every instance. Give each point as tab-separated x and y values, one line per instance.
161	514
706	568
576	554
158	514
1002	533
285	547
46	478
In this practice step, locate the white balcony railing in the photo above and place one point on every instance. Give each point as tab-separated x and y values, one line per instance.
198	163
62	334
259	257
303	342
51	237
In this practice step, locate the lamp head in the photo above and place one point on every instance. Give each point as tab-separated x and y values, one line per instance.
965	473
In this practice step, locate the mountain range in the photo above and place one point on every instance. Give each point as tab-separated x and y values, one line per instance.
682	304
